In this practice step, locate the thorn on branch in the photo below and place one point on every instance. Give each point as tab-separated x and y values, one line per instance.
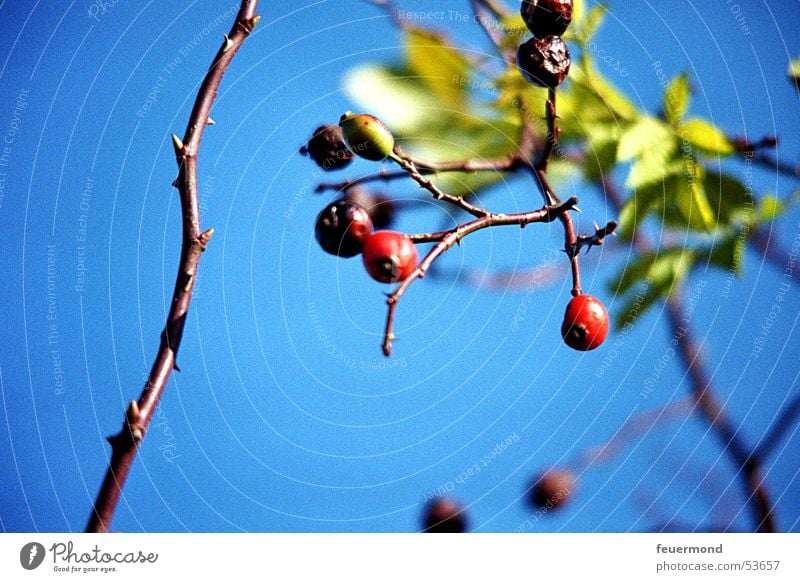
595	240
210	121
228	44
177	143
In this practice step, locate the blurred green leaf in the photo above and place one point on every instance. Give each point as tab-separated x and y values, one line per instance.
661	272
639	205
731	201
440	66
727	253
794	73
693	204
676	98
705	137
649	136
584	28
585	76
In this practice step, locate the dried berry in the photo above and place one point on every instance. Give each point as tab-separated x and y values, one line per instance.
327	148
552	489
444	515
343	228
545	17
544	61
585	324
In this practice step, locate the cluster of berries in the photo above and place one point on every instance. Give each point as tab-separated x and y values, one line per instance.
347	227
544	60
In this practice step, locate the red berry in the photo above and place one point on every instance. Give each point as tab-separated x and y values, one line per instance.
552	489
327	148
445	515
585	324
544	61
343	228
390	256
544	17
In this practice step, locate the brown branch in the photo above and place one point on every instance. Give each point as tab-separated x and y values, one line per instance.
409	166
778	429
748	462
481	9
506	164
448	239
124	445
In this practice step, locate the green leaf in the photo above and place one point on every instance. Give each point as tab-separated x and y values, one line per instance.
705	137
693	203
727	254
643	201
585	76
648	136
440	66
731	201
588	26
400	100
794	72
601	149
652	168
657	275
676	98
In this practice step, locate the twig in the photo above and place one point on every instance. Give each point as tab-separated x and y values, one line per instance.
448	239
437	193
506	164
124	445
483	18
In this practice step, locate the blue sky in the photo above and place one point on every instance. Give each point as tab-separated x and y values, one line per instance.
286	416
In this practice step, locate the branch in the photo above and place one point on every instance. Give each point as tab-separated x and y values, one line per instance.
777	431
409	166
749	463
447	239
506	164
124	445
481	9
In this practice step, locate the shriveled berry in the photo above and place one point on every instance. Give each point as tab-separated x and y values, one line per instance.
544	61
327	148
390	256
367	136
552	489
444	515
585	324
381	208
545	17
342	228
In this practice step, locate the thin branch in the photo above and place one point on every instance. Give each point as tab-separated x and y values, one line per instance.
448	239
481	10
124	445
633	429
779	428
437	193
749	463
505	164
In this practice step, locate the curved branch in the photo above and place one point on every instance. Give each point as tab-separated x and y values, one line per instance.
139	414
447	239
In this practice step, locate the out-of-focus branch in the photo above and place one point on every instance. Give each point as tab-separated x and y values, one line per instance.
124	445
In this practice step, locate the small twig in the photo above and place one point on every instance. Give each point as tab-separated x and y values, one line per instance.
506	164
483	18
437	193
448	239
139	414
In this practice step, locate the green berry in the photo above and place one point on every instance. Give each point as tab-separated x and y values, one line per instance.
367	136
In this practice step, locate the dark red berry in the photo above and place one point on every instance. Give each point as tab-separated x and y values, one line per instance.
552	489
390	256
343	228
544	61
327	148
545	17
444	515
381	208
585	324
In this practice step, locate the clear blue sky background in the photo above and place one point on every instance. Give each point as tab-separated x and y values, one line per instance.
286	417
